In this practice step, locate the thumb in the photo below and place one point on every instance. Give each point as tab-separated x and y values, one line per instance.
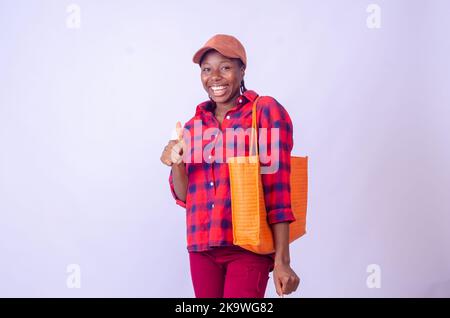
179	130
278	286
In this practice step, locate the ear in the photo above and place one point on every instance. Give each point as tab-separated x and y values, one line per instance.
242	71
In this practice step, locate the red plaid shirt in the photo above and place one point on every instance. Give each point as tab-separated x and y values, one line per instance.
208	201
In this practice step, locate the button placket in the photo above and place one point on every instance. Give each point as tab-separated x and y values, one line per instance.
214	123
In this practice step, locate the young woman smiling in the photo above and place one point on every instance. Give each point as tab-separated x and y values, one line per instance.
219	268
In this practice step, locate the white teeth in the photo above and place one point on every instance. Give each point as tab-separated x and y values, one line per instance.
216	88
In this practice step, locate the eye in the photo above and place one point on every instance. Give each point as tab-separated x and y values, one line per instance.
206	69
226	68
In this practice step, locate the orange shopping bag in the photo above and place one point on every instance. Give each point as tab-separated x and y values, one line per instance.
249	217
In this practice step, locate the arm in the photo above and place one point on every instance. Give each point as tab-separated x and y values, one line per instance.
277	192
180	180
281	241
285	279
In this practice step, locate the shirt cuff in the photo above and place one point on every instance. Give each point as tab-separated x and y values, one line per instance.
280	215
172	189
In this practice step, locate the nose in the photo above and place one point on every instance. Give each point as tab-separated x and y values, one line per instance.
215	75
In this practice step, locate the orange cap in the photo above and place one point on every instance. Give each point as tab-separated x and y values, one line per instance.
226	45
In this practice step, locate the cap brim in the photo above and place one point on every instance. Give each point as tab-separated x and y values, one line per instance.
198	56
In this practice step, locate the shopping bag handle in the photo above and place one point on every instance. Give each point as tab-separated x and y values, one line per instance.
254	132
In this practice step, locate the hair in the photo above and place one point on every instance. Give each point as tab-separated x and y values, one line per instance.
243	88
203	56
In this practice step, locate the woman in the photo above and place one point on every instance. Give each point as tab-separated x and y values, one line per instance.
219	268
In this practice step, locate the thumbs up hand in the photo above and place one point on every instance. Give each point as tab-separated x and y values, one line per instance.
173	152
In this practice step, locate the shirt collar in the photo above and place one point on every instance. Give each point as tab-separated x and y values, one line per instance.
208	106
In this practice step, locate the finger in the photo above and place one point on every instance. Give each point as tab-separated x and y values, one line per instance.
177	148
170	145
167	162
286	286
278	286
179	130
177	133
182	142
296	283
179	161
291	285
175	156
182	146
287	290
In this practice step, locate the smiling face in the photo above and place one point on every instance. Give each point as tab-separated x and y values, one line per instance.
221	77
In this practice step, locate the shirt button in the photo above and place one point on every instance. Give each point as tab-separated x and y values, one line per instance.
209	157
228	116
240	100
211	184
212	206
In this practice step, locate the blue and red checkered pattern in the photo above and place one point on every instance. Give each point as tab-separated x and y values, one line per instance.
208	200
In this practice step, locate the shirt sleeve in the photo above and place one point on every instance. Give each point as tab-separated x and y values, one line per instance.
172	189
275	146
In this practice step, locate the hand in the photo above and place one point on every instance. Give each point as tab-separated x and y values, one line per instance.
285	279
173	152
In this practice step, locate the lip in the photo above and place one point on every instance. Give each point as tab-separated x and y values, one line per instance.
218	90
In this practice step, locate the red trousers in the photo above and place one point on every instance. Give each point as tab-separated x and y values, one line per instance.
230	272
